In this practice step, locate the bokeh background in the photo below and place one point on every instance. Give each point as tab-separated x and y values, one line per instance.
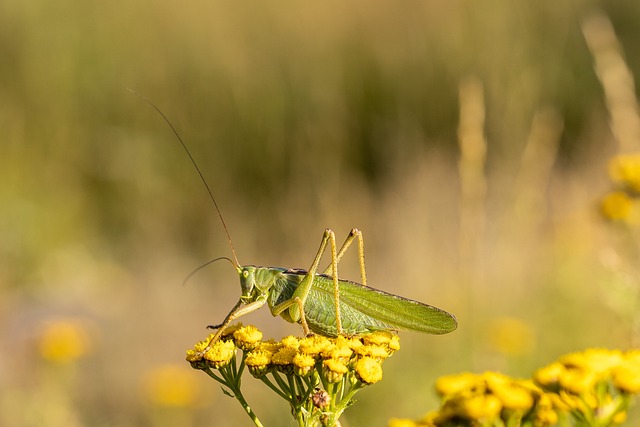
468	140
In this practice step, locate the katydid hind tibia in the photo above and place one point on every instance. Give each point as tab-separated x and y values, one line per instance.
320	301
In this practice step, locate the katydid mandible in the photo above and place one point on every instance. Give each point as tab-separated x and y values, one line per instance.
320	301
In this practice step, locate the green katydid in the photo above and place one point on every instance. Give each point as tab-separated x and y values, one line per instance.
325	304
322	302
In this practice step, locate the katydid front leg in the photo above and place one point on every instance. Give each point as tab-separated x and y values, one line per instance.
236	312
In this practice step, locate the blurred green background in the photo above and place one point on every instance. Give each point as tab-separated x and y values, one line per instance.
302	116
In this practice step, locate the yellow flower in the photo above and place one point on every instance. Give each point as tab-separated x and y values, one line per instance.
220	353
379	338
342	352
597	360
627	378
230	330
625	169
632	356
400	422
369	370
373	351
475	406
429	420
269	346
247	337
258	361
170	385
619	418
314	345
352	342
511	336
550	374
619	206
451	384
284	356
303	364
578	381
394	344
290	342
545	414
334	369
388	341
64	340
510	392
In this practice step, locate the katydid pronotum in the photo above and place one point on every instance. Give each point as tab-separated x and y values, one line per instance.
322	302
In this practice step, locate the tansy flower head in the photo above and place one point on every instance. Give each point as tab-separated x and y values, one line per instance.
283	359
342	352
290	342
303	363
402	422
619	206
379	338
373	351
269	346
258	362
578	381
220	353
472	406
334	369
351	342
247	337
512	395
369	370
228	332
549	376
625	170
450	384
626	377
314	345
599	361
64	340
171	386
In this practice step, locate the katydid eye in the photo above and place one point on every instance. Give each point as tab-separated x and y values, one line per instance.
245	274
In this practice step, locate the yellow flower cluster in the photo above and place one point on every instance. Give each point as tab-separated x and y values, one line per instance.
64	340
171	386
593	387
486	399
623	203
333	358
595	383
624	170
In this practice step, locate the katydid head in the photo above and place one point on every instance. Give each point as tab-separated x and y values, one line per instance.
247	279
256	281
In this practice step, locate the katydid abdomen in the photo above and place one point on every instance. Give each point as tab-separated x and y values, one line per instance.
362	309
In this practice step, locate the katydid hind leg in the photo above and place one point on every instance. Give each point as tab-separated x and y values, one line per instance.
302	291
355	233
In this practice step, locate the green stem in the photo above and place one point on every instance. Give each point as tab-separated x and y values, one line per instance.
344	402
247	408
265	380
283	386
232	381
